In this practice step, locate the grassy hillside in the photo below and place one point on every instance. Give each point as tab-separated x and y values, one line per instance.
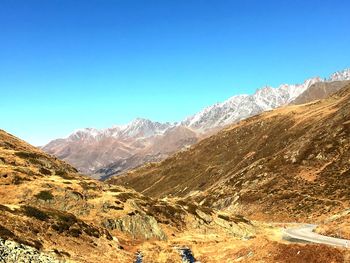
287	164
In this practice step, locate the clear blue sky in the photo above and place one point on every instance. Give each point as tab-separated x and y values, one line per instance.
69	64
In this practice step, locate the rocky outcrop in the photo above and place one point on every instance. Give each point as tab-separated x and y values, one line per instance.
12	252
137	225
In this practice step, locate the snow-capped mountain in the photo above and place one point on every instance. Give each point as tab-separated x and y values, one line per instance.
126	146
243	106
91	149
340	75
240	107
138	128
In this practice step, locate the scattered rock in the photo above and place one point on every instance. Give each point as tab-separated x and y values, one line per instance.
12	252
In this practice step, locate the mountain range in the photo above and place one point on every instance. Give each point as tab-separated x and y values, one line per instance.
288	164
106	152
232	197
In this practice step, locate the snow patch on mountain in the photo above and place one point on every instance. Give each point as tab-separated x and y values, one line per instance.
240	107
340	75
138	128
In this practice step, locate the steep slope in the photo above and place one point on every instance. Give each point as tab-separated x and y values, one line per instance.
320	90
49	213
290	163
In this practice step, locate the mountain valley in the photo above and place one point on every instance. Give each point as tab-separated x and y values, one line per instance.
287	164
228	198
50	213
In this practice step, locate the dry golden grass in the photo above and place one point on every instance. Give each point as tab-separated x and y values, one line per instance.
287	164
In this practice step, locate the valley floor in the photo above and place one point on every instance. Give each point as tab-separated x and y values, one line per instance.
269	245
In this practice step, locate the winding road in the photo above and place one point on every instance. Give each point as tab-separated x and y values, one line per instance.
305	233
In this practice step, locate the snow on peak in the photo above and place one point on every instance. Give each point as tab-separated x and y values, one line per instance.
240	107
340	75
138	128
83	134
144	128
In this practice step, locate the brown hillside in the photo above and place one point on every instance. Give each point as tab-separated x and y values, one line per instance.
59	214
290	163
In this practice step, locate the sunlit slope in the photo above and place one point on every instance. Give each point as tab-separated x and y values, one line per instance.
291	162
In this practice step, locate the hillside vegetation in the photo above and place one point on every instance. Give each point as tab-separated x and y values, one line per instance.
291	163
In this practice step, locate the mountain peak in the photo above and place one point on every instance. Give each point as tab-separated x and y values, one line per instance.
340	75
141	127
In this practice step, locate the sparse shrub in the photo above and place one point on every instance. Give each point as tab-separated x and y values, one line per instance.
91	231
6	233
227	218
64	221
114	190
44	195
72	226
27	155
37	244
115	207
60	228
124	196
241	219
31	157
5	208
24	170
44	171
35	212
16	180
78	194
75	232
61	253
88	186
67	218
64	174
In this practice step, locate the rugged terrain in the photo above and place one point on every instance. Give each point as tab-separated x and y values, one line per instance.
290	164
50	213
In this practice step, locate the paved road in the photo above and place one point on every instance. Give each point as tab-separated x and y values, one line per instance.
305	233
